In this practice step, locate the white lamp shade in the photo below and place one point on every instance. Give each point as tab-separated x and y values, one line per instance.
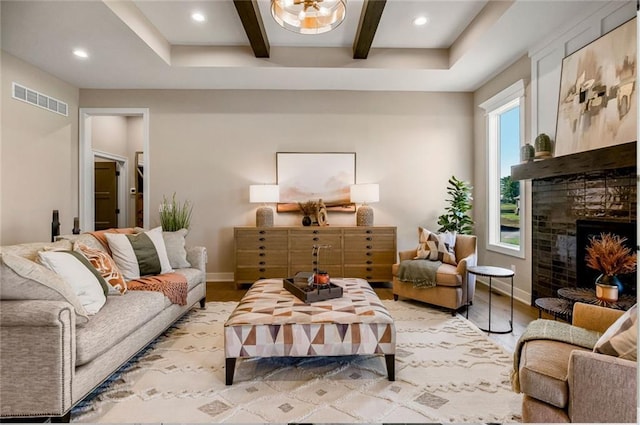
264	193
365	193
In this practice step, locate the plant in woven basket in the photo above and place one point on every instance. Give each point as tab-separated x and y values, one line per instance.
175	215
609	256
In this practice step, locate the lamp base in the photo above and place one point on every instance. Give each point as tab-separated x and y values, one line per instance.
364	216
264	217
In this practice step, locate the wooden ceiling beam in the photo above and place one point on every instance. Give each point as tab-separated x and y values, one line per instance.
369	20
252	22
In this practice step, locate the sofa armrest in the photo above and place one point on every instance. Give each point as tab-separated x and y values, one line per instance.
407	255
197	257
37	357
602	388
594	317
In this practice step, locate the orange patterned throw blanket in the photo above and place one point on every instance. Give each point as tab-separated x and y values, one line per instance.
172	285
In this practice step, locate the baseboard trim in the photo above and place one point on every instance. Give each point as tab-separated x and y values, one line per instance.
505	288
220	277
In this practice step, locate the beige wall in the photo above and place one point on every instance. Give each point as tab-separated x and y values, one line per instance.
520	70
38	156
209	146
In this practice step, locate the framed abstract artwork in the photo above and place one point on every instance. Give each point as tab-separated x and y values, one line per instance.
308	176
597	104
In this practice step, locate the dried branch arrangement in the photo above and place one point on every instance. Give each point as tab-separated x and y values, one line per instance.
608	255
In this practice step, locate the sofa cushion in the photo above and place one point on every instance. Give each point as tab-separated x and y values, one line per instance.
23	279
105	266
119	317
140	254
544	365
174	242
435	246
83	278
621	339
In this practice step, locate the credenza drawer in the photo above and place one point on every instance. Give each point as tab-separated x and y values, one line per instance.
369	257
261	258
372	272
251	274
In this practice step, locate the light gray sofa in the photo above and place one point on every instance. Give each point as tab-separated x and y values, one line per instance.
50	359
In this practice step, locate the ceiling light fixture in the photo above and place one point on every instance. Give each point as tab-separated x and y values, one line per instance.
198	17
420	21
308	16
81	53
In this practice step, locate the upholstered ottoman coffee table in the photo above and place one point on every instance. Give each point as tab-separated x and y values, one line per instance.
269	321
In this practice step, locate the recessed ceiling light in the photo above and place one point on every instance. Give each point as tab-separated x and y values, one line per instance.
420	21
198	17
81	53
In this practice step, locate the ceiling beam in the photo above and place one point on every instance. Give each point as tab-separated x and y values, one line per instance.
252	22
369	20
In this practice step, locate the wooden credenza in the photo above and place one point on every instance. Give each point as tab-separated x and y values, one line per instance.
278	252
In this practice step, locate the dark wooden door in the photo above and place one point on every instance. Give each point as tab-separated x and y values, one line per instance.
106	195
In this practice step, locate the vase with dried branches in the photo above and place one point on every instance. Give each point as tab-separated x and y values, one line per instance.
608	255
309	209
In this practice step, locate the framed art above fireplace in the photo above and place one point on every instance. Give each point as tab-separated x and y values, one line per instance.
310	176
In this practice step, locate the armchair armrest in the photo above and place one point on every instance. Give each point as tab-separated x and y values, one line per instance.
594	317
602	388
407	255
197	257
37	357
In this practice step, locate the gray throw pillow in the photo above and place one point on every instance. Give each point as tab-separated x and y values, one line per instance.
23	279
174	242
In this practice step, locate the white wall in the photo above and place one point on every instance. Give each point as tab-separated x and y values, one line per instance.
209	146
38	156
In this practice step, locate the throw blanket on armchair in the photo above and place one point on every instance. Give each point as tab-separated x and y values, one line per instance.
422	273
173	285
555	331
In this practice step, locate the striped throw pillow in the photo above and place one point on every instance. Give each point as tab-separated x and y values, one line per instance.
621	339
436	246
142	254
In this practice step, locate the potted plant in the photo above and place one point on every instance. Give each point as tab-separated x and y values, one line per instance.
608	255
175	215
457	219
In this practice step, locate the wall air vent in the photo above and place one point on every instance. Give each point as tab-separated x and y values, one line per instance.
38	99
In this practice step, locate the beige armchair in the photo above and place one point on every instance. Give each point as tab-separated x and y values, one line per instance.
451	281
562	382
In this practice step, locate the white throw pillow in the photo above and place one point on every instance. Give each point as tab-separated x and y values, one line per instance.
78	274
175	244
142	254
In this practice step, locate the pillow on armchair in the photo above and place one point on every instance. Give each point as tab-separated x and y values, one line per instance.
621	339
436	246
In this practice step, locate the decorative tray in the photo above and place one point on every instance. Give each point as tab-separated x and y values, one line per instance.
309	293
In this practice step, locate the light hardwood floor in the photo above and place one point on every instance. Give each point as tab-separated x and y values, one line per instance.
478	312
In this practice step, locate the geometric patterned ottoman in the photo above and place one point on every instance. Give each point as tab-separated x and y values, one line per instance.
269	321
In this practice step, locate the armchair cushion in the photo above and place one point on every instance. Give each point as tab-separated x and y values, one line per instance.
447	275
621	339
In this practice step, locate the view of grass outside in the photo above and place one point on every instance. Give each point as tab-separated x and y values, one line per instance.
509	189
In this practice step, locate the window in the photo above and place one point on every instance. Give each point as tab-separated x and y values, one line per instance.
505	200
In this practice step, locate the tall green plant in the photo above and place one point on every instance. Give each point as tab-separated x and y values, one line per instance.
456	217
175	215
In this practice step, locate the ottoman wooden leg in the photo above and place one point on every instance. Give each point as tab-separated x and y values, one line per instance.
230	368
390	359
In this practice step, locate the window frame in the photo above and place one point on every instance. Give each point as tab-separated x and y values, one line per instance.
507	99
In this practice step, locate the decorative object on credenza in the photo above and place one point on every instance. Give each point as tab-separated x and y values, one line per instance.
308	16
175	215
55	225
76	226
321	216
365	194
326	176
597	104
456	218
543	146
309	209
264	194
527	153
608	255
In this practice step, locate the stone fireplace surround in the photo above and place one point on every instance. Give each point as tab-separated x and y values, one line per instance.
594	188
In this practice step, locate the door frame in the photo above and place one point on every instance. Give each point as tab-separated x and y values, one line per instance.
86	200
122	167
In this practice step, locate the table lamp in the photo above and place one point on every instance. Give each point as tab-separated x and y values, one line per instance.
364	194
264	193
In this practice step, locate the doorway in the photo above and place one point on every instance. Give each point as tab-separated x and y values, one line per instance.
87	199
111	199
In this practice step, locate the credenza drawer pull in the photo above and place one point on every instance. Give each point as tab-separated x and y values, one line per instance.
369	269
315	232
369	262
262	254
369	238
369	246
262	263
316	239
262	239
262	247
369	231
368	254
262	270
262	232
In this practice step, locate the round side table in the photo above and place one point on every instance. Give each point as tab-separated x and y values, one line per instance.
588	296
491	272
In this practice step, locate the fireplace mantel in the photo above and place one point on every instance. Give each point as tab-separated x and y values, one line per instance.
612	157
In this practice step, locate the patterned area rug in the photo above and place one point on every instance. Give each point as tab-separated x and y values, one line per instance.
447	370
